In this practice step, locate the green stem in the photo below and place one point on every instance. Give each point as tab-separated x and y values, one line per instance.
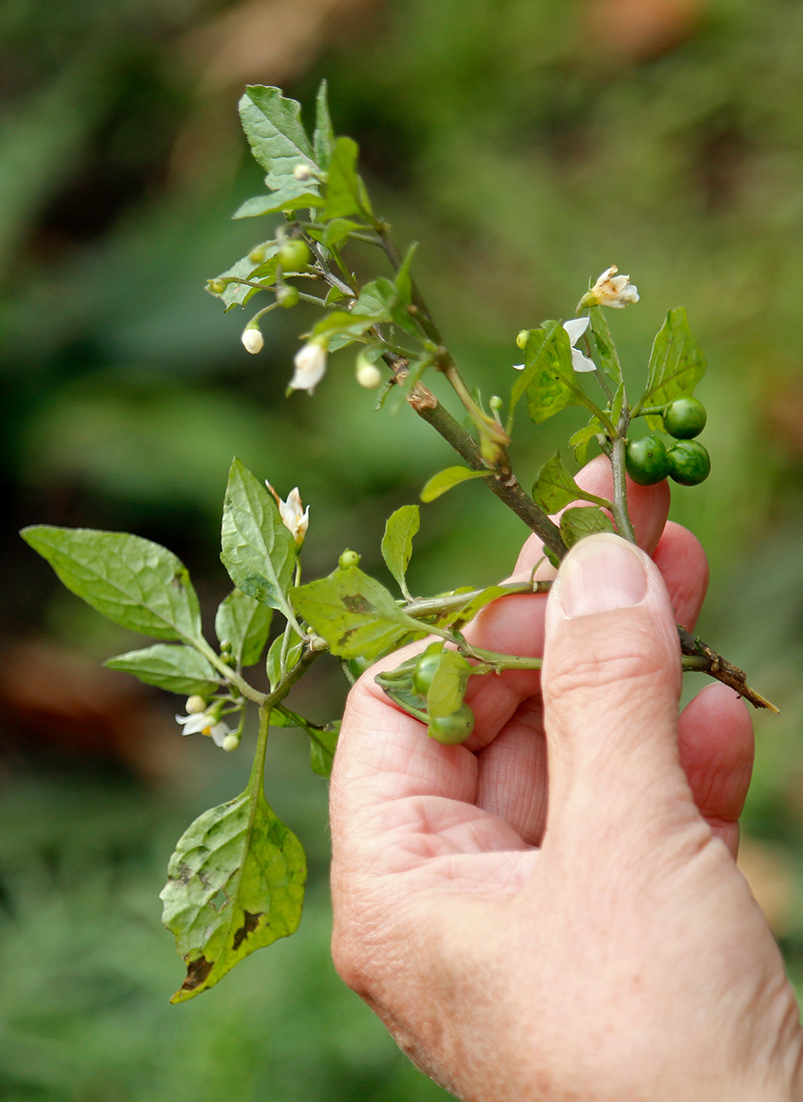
233	678
257	778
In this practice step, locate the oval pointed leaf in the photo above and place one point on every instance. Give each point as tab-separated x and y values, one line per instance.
244	623
178	669
397	542
677	364
235	884
272	124
451	476
129	580
259	552
555	487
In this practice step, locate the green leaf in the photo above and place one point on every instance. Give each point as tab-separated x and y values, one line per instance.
555	487
451	476
606	356
273	665
585	521
548	374
235	884
275	133
376	300
581	439
448	685
324	136
288	198
259	552
340	324
397	542
178	669
129	580
342	189
336	231
677	364
244	623
356	615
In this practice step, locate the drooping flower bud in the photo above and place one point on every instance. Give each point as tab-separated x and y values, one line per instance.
367	373
195	704
252	339
302	171
310	366
230	742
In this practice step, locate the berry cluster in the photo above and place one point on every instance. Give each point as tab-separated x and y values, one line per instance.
687	461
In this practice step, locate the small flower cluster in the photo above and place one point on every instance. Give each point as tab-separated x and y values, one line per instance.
205	720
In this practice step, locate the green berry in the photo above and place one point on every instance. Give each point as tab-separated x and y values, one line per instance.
689	462
257	254
287	296
521	339
425	670
454	729
217	286
646	460
293	255
684	418
348	558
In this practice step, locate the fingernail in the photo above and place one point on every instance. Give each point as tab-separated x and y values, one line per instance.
601	573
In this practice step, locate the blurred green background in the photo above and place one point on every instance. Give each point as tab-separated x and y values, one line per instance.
527	145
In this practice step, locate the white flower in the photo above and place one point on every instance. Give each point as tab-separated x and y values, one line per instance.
310	364
575	327
612	290
291	513
207	723
252	340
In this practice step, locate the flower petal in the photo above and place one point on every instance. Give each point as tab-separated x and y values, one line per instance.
575	327
581	362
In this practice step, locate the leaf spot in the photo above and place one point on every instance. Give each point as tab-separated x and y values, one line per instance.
249	925
197	971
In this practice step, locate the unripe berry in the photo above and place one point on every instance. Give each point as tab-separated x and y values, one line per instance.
217	286
287	296
294	255
257	254
521	339
348	558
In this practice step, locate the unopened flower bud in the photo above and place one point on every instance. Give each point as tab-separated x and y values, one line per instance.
368	374
302	171
195	704
495	402
253	340
521	339
230	742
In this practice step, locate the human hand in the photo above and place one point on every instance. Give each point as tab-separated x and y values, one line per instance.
605	948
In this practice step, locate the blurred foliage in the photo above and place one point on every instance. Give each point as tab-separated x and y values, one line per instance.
671	145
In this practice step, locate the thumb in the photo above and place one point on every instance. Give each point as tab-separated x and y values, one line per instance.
611	684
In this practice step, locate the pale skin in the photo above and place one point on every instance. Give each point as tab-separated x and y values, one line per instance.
552	911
